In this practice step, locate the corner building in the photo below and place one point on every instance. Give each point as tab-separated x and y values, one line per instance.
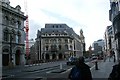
12	34
57	42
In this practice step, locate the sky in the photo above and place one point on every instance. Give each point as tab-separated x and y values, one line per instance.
91	16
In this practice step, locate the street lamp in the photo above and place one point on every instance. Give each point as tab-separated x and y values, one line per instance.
10	56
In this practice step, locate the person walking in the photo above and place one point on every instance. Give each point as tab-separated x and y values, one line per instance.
113	53
115	74
80	71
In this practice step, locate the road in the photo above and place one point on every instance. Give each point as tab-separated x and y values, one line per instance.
46	70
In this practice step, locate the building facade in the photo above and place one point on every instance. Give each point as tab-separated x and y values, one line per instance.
98	47
13	35
109	40
58	41
114	17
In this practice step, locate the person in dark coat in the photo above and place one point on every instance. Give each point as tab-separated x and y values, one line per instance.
84	70
115	74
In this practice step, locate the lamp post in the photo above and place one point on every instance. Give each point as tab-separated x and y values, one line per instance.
10	56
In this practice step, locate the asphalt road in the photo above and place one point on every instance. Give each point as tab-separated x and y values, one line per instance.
48	70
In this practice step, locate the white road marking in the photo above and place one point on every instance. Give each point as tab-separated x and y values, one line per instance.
92	67
66	71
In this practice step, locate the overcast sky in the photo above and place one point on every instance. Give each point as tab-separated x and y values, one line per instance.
90	15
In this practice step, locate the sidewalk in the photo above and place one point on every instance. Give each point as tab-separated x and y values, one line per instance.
105	69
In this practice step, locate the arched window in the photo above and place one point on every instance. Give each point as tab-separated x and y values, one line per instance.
53	47
66	47
66	41
54	41
6	20
59	40
60	47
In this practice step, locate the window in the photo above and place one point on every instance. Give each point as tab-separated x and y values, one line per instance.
70	47
47	41
54	41
5	35
16	38
60	47
66	47
70	41
66	41
18	25
53	47
59	40
53	26
6	20
19	37
56	26
12	21
47	48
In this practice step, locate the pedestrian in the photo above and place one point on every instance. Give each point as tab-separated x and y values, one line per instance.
113	55
115	74
80	69
104	57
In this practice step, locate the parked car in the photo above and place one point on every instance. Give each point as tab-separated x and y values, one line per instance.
71	61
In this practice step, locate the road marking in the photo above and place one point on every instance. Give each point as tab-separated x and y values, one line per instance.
66	71
92	67
48	71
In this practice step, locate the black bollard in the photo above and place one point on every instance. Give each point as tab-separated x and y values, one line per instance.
96	65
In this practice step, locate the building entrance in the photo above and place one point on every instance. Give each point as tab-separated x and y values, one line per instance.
17	57
5	59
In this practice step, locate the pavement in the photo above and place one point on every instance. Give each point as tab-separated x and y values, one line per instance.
104	69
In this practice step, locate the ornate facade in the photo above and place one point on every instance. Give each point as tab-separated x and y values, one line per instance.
58	41
13	34
114	17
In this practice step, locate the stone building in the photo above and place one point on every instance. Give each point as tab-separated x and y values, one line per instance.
12	34
109	40
114	17
58	41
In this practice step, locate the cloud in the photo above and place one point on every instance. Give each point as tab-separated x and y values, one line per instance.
91	16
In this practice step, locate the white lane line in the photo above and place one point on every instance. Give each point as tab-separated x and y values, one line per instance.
48	71
66	71
92	67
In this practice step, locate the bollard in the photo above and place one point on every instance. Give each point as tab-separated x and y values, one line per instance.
96	65
60	65
114	60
